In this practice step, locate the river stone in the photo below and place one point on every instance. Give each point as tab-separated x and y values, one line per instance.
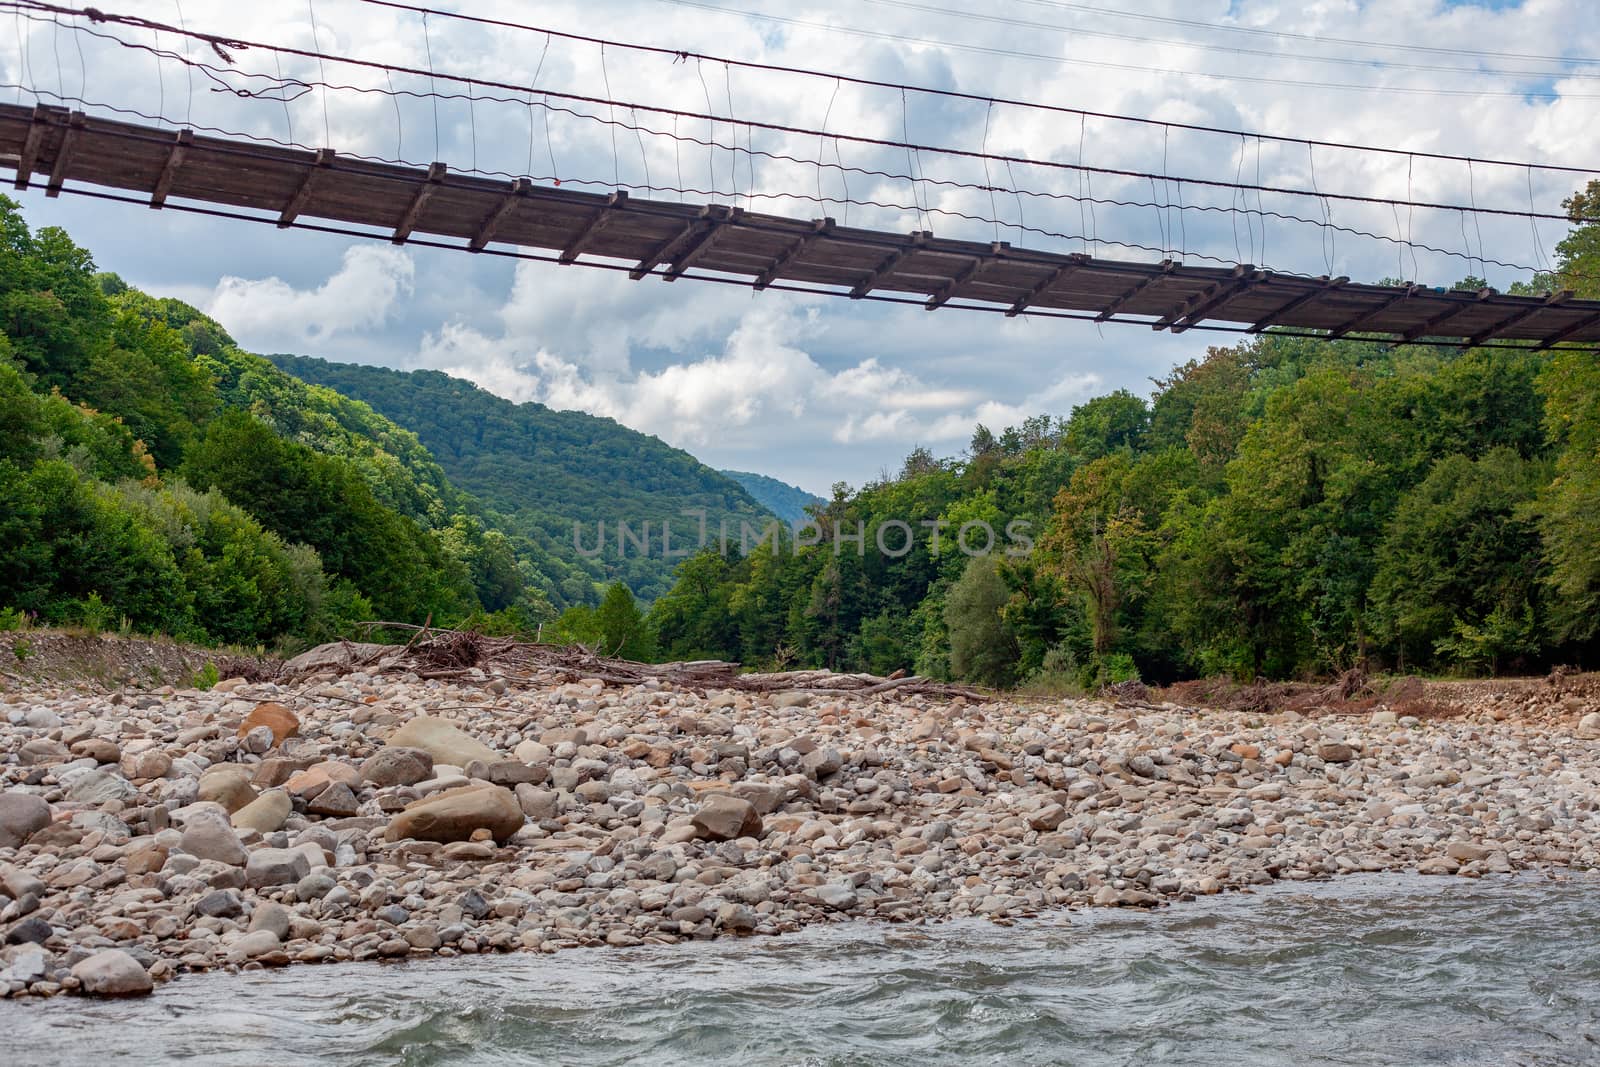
99	749
283	723
1466	852
220	904
765	797
212	838
838	897
18	883
1048	817
336	801
819	763
443	741
42	719
1335	752
99	787
254	944
397	765
151	763
339	656
532	752
314	886
1589	726
42	751
147	860
271	916
723	818
455	813
30	930
228	784
30	963
113	973
20	815
265	814
538	803
276	866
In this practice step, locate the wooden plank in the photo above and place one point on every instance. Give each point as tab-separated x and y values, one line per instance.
1423	328
1196	307
670	247
1214	308
30	147
1553	300
517	193
1120	302
1371	313
291	210
1328	285
169	169
69	141
597	223
973	268
1075	263
1567	331
887	265
820	228
419	200
721	221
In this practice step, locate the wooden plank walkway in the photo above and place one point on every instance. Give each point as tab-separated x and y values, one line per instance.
667	239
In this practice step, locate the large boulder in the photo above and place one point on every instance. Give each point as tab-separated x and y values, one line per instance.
283	723
276	866
765	797
443	741
112	973
151	763
339	656
397	765
228	784
266	813
723	818
97	786
20	815
454	814
211	838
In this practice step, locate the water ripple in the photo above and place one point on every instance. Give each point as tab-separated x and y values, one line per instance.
1366	971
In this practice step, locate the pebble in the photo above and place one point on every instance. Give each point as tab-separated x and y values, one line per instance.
404	817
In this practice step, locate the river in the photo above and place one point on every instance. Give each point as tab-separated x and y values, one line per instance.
1369	970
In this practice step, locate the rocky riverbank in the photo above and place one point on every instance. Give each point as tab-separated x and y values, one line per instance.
373	815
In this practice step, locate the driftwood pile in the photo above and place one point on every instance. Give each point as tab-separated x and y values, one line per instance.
436	653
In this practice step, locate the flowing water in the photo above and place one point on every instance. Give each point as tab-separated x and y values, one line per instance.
1375	970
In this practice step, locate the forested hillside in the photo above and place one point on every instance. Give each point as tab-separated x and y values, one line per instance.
788	502
1283	508
541	470
155	476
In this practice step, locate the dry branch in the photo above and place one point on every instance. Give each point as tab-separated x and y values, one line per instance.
436	653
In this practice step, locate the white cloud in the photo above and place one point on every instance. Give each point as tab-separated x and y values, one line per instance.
814	389
269	312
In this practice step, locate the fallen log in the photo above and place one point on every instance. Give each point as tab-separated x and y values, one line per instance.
436	653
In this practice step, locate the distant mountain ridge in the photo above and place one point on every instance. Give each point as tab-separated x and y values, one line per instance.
788	502
540	471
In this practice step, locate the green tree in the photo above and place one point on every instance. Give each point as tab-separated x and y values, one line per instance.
1462	546
982	646
1569	507
623	629
1107	424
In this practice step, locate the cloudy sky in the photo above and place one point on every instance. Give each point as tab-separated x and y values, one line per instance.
812	389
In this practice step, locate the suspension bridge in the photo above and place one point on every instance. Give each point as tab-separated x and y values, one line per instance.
64	150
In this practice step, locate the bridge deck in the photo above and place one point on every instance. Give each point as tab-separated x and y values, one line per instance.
668	238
